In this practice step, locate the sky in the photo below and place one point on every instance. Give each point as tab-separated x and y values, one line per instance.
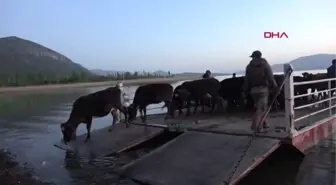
175	35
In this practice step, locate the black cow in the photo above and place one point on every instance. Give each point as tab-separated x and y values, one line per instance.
199	91
179	99
85	108
151	94
231	90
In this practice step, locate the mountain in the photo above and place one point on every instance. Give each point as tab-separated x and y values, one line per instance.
18	55
306	63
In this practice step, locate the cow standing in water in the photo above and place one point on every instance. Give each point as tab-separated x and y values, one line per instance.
85	108
151	94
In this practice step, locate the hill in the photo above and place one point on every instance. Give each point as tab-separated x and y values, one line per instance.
22	56
306	63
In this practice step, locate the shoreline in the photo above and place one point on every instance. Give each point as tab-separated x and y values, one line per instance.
95	84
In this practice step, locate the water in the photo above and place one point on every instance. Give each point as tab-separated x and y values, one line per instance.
29	125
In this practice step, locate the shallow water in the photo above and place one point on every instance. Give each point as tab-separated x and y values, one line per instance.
29	125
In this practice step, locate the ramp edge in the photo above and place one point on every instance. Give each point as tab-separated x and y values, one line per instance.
254	164
123	168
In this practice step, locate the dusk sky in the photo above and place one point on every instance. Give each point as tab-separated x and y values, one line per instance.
175	35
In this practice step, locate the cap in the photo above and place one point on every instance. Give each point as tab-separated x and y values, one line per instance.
256	54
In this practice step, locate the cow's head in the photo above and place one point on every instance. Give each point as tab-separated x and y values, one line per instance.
132	112
67	132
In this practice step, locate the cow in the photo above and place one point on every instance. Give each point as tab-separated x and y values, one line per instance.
97	104
151	94
179	98
199	91
230	91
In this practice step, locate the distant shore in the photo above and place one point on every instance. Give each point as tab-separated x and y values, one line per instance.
95	84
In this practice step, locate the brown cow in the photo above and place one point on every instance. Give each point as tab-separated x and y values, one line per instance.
97	104
151	94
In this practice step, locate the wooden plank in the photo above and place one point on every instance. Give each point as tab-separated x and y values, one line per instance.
104	143
198	159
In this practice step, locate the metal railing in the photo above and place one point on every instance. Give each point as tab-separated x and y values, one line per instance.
290	97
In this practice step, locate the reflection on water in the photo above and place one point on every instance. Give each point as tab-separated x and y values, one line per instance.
319	164
29	125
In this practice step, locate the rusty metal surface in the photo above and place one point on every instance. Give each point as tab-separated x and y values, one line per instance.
197	159
103	142
313	135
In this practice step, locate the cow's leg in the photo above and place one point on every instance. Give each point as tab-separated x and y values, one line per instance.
196	106
142	110
88	128
124	111
74	135
214	101
181	103
203	105
145	114
188	107
114	114
170	111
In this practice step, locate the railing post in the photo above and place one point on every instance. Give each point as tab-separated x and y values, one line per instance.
329	96
289	100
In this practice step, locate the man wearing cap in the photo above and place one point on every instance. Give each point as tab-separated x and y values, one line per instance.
207	74
259	80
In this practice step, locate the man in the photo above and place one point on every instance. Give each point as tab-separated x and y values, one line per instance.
332	69
207	74
332	74
259	80
234	75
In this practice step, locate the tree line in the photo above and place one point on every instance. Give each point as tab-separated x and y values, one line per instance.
24	79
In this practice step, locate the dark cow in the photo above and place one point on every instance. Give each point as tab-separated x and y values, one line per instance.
150	94
199	91
179	99
85	108
230	90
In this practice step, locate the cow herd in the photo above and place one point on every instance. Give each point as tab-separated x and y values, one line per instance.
207	92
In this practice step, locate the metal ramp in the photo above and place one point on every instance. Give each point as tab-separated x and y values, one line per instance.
198	159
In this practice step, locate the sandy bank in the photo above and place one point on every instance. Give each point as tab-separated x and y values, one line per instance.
94	84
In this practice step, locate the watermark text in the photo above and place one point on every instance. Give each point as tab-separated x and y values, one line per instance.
277	35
